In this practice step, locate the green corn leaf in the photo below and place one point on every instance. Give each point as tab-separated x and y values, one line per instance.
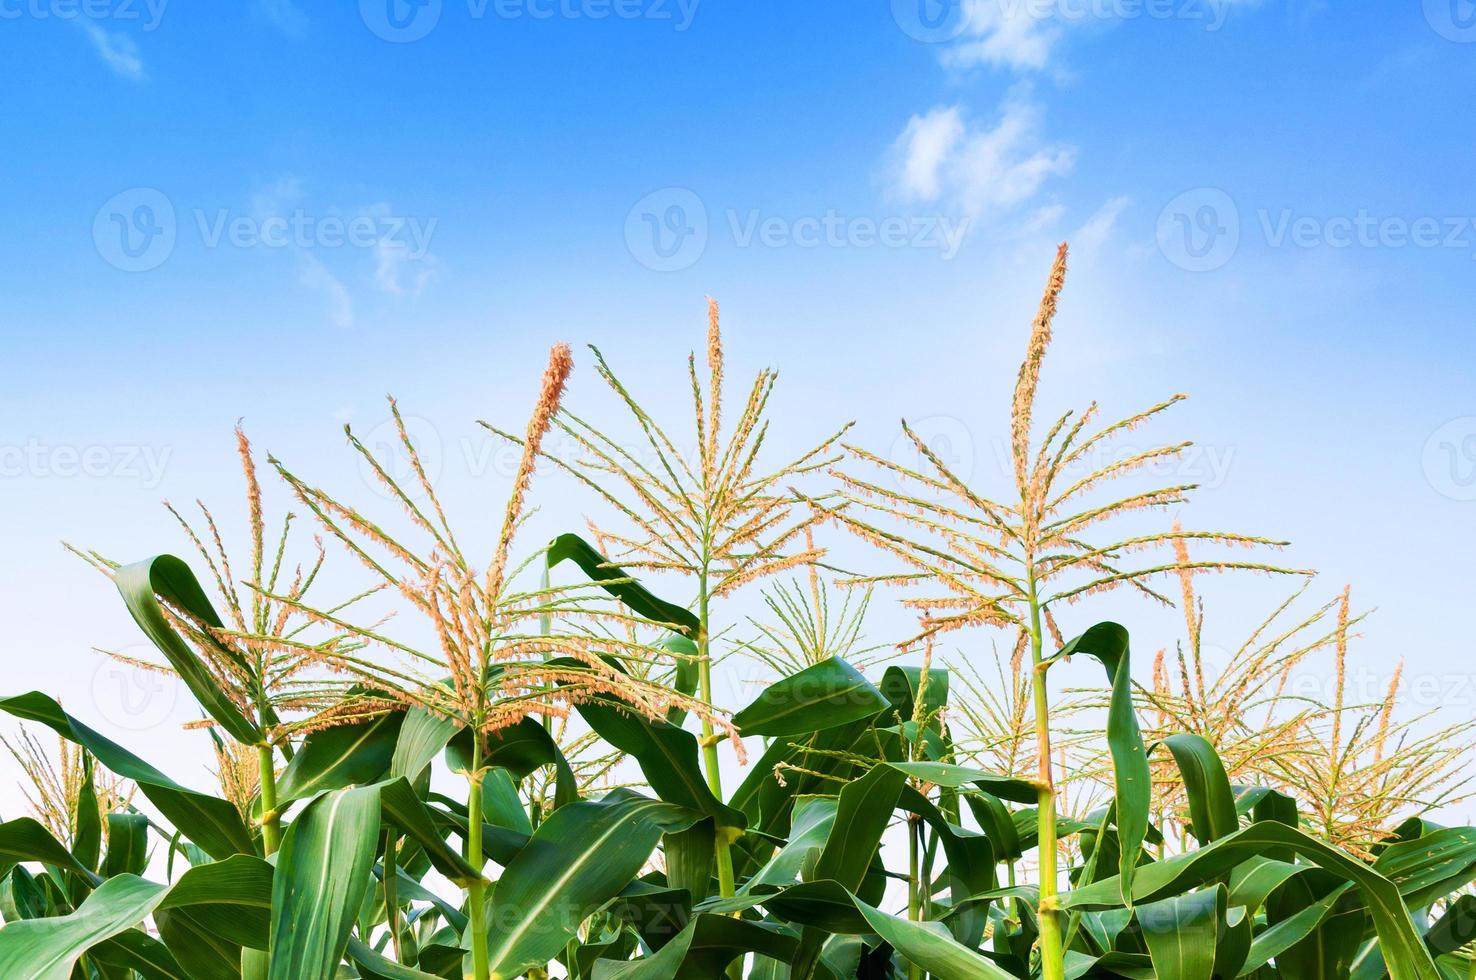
377	967
1432	866
1403	948
824	695
1181	933
137	950
930	946
1211	802
24	839
422	737
862	814
86	820
1108	642
332	758
667	755
581	857
128	844
961	777
48	949
323	870
620	584
215	825
141	584
701	951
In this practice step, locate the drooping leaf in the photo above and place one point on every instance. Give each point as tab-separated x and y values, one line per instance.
48	948
701	951
1211	802
1132	780
343	755
930	946
620	584
824	695
24	839
667	755
215	825
141	584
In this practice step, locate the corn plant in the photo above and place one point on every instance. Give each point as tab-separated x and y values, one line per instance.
499	759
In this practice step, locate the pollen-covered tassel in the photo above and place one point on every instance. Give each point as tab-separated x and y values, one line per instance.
555	377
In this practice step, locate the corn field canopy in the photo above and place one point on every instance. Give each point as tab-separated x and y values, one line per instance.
503	758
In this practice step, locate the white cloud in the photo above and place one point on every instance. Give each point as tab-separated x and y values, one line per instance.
275	198
284	15
392	259
1021	35
1090	236
118	51
982	171
315	275
1015	34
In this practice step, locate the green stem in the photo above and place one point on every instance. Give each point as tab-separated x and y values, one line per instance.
914	888
271	823
391	898
722	842
1052	949
722	837
477	890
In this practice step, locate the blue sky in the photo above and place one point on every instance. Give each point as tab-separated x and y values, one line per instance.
281	212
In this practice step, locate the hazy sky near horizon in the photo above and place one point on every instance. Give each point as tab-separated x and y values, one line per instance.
279	212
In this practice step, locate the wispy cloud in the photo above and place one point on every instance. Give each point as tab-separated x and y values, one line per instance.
984	171
284	15
1023	35
315	275
1092	235
118	51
